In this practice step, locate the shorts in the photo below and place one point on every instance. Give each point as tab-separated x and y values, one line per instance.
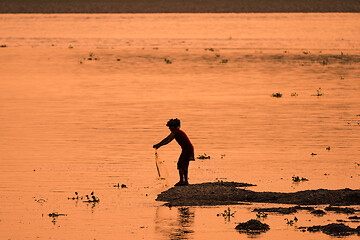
184	159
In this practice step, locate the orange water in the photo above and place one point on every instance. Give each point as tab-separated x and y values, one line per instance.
71	124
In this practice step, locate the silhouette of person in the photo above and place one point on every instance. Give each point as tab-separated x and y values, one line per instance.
187	148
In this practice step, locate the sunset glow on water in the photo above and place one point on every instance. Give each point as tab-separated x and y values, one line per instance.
84	97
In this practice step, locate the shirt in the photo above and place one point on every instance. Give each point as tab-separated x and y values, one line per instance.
183	140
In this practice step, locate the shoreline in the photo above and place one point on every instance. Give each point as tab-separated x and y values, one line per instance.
180	6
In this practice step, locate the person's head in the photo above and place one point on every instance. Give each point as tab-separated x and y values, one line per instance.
173	124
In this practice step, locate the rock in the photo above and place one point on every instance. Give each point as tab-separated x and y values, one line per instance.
337	229
252	227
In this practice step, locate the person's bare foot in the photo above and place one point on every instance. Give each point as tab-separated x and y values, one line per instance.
178	184
181	184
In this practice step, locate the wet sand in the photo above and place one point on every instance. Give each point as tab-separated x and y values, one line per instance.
225	193
177	6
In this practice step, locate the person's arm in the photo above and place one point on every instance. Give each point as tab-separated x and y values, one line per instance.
165	141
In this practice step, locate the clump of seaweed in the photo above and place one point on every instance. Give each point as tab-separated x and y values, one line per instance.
168	61
294	94
319	93
54	215
261	215
77	197
120	186
227	214
277	95
92	57
89	199
252	226
93	199
297	179
224	61
204	156
3	46
291	221
209	49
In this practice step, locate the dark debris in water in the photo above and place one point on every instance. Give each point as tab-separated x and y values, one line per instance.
280	210
252	227
283	210
89	199
204	156
297	179
345	221
345	210
120	186
277	95
227	214
56	214
318	212
334	229
227	193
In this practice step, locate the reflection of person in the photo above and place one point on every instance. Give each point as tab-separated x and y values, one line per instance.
187	153
179	228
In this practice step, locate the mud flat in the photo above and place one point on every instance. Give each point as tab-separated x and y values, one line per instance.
228	193
177	6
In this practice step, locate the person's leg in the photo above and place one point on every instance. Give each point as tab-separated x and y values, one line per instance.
186	167
183	177
181	174
186	177
182	166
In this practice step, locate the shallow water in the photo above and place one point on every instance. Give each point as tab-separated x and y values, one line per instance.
73	124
